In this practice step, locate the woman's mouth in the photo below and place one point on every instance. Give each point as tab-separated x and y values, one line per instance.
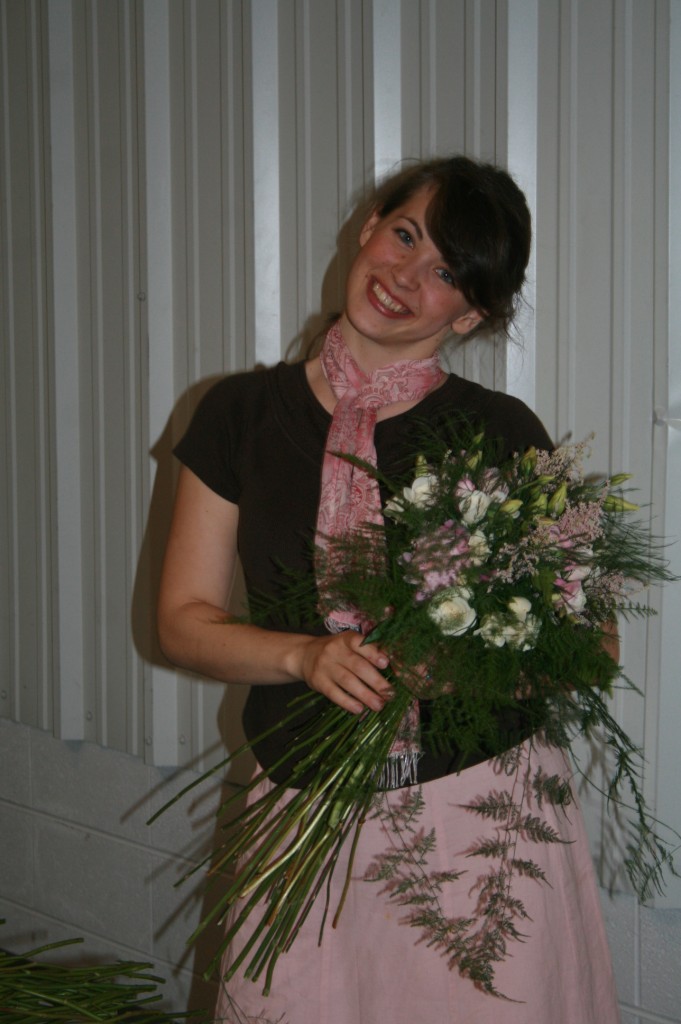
384	302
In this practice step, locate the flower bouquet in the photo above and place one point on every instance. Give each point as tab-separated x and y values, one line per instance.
493	587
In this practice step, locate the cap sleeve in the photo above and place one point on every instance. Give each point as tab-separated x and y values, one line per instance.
211	439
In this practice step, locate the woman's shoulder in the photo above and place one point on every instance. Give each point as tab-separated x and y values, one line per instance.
238	416
500	414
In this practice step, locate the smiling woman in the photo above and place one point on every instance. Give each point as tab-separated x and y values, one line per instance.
443	248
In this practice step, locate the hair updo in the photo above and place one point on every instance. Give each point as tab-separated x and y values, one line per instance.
479	220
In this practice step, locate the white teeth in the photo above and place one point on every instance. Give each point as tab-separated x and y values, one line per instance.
386	300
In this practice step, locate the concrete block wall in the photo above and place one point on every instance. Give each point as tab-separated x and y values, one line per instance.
645	943
78	860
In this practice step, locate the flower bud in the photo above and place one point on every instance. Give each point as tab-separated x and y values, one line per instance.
613	503
528	461
421	467
540	503
511	507
557	500
620	478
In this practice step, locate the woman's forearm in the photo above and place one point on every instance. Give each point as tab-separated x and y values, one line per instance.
201	637
204	639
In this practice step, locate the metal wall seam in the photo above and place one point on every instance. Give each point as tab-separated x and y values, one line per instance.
69	697
161	700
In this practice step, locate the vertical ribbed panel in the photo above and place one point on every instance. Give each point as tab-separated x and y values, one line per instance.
112	362
26	527
519	72
99	395
663	712
601	237
69	694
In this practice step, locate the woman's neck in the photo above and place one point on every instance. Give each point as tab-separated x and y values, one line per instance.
371	354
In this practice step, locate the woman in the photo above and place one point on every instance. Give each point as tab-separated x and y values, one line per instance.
443	250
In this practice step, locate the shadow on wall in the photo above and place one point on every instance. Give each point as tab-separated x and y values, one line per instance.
150	563
197	809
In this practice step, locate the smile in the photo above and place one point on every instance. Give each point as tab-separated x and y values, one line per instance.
385	302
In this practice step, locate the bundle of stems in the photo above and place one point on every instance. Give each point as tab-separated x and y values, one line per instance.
33	992
287	849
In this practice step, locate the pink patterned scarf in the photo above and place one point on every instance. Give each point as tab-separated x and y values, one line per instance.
350	497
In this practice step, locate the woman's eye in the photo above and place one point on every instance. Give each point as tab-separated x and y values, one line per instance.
446	275
404	236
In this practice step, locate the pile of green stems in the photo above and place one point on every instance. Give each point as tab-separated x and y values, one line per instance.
33	992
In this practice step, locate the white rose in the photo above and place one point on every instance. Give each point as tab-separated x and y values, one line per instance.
522	635
478	547
499	630
520	607
474	506
492	631
451	612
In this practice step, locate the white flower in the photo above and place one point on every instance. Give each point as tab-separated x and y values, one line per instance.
423	490
577	572
478	548
451	612
523	636
422	493
474	506
517	628
520	607
492	631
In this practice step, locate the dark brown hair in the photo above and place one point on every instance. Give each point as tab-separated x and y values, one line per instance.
479	220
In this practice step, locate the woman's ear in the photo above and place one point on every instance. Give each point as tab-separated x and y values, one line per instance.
368	228
467	321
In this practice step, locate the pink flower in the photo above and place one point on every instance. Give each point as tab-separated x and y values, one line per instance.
570	598
493	485
437	559
464	487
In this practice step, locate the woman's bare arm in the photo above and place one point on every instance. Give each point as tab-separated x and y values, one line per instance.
194	627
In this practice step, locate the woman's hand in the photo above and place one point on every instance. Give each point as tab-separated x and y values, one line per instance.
346	670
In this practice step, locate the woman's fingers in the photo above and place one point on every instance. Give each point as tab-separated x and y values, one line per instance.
347	672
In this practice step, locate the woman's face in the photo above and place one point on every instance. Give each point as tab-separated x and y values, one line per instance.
400	299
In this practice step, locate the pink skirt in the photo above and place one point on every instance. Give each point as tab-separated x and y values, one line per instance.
378	967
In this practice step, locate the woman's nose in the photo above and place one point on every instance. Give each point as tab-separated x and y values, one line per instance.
407	272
